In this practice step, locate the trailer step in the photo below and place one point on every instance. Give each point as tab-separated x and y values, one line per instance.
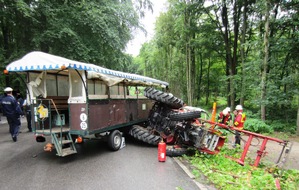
64	144
67	151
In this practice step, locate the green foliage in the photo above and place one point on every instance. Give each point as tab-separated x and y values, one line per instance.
89	31
200	26
226	173
257	126
282	126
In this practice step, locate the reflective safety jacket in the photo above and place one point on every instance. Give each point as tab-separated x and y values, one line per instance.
224	119
239	120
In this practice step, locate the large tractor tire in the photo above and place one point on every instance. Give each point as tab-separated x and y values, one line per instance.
144	135
173	151
166	98
180	116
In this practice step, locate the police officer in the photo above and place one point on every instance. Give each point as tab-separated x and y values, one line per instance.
12	111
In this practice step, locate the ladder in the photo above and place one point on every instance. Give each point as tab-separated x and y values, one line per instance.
63	143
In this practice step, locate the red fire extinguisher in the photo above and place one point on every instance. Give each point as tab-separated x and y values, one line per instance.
162	151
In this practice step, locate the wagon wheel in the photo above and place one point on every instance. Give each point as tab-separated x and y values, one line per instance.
115	140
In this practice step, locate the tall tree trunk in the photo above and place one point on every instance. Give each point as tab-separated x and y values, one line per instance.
234	64
242	52
192	69
265	62
188	68
298	118
6	46
229	61
189	60
189	74
208	85
200	76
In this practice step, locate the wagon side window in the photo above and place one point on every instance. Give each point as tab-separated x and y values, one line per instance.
134	92
57	85
63	85
77	90
100	88
51	85
37	84
97	89
141	92
91	87
117	91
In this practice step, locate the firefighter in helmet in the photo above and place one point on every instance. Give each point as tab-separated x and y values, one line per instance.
225	117
239	120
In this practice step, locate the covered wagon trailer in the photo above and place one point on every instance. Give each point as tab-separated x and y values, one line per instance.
70	99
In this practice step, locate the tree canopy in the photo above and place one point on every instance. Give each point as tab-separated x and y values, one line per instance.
95	31
243	51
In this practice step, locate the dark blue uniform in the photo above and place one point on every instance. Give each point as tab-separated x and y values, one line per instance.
12	111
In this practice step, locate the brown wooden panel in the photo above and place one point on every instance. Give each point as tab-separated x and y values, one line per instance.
106	113
76	110
131	110
99	114
117	112
144	106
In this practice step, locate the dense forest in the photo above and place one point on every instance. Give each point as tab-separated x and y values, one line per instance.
229	52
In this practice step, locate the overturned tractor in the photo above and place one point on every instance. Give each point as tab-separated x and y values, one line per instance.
177	125
183	126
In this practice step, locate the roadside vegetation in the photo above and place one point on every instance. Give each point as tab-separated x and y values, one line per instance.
275	125
227	174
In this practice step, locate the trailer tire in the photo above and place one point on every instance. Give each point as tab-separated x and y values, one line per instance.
114	140
163	97
173	151
144	135
184	115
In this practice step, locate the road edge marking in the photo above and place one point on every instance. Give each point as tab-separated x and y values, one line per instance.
189	173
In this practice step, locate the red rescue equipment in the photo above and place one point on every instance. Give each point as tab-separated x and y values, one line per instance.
162	151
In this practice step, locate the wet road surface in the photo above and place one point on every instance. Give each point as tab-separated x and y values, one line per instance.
24	165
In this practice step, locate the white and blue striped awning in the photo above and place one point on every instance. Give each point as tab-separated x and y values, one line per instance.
40	61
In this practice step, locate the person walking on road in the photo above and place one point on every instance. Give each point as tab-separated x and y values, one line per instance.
12	111
26	106
20	100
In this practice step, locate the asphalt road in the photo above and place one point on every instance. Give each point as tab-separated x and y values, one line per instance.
24	165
